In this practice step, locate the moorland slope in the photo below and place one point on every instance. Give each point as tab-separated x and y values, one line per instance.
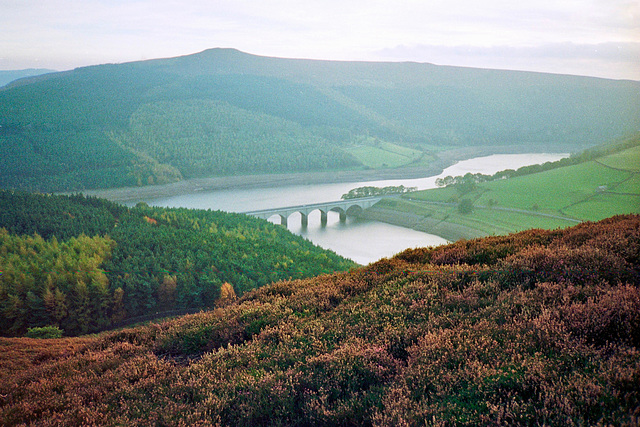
535	328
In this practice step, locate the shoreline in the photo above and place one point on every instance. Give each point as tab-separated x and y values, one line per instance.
445	159
125	194
449	231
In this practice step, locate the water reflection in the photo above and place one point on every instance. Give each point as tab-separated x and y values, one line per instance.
360	240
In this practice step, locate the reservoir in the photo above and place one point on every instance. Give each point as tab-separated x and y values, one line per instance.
360	240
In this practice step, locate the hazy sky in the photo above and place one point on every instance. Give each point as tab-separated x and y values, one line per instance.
587	37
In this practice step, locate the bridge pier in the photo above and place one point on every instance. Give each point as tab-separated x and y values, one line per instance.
304	220
283	221
343	216
323	218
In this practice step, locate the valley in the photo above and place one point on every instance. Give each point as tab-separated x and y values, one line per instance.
362	240
135	289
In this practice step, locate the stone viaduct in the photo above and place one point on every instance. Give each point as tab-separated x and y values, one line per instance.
343	207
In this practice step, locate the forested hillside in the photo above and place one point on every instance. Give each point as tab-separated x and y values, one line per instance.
224	112
535	328
84	264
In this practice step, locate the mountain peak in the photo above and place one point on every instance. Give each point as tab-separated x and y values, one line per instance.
222	51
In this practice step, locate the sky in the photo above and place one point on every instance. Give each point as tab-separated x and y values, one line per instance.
598	38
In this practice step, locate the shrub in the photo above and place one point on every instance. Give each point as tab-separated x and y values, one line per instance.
465	206
44	332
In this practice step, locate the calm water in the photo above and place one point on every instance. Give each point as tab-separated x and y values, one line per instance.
359	240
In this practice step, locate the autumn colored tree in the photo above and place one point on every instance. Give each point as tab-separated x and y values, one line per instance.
227	295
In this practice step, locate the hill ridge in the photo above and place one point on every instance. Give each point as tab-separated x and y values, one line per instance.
225	104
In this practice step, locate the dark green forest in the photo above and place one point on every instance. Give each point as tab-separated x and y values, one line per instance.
198	137
84	264
223	112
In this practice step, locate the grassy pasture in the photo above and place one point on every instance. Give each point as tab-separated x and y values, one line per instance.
603	206
628	159
384	155
481	222
630	186
552	190
505	221
588	191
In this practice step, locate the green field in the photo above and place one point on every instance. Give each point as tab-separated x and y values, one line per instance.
377	154
588	191
627	160
446	221
632	185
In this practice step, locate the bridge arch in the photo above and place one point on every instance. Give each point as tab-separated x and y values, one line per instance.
355	210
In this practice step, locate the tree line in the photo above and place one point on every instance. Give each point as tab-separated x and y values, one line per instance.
371	191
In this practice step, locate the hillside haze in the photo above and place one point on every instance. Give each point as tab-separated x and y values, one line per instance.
224	112
8	76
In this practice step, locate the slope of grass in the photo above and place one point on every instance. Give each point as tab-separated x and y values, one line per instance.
535	328
628	160
553	190
444	219
379	154
587	191
603	206
629	186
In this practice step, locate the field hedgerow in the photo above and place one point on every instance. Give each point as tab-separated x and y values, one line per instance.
535	328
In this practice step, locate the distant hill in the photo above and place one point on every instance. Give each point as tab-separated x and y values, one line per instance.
535	328
595	184
7	76
86	264
224	112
